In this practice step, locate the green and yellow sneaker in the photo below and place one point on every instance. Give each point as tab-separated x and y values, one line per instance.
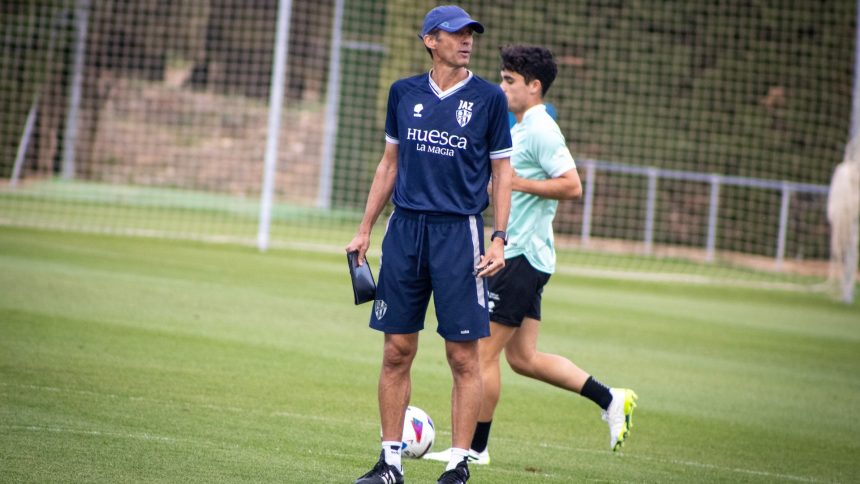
619	416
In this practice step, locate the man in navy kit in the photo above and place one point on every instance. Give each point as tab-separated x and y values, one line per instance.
446	135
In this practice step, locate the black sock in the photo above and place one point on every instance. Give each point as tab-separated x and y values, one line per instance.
482	435
596	392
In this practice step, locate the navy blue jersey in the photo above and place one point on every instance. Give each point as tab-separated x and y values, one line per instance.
446	141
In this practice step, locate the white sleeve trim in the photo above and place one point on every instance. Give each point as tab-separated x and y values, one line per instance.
505	153
565	163
391	140
562	170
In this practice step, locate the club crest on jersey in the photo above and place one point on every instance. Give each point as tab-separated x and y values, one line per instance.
379	307
464	113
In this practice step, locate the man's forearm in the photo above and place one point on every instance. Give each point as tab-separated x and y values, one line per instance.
502	174
380	193
561	188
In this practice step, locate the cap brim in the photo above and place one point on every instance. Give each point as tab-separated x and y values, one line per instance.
457	25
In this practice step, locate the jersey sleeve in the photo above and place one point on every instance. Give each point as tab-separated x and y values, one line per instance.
499	127
553	154
391	133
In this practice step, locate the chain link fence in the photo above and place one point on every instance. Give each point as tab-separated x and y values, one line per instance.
705	132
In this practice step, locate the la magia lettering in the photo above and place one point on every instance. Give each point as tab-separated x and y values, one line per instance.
438	142
438	150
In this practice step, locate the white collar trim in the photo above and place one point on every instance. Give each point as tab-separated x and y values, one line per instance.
456	87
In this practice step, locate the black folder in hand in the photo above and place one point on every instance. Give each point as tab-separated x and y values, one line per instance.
363	286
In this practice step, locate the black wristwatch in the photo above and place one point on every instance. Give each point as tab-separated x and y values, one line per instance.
500	234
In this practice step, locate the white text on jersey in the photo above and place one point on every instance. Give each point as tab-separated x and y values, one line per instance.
436	137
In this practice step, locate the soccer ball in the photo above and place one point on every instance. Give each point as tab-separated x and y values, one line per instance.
418	433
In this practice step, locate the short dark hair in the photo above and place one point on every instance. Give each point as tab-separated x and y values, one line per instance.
434	33
532	62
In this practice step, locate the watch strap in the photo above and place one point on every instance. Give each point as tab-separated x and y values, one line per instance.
500	234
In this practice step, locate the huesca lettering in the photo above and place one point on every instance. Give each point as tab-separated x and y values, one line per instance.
441	142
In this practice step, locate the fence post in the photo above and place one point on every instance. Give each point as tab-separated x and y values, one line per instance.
650	208
713	208
331	109
855	91
783	225
25	143
588	204
70	133
276	100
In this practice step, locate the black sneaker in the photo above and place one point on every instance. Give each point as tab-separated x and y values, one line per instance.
382	473
457	475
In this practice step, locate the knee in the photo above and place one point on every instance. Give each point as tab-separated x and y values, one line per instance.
396	357
489	360
464	363
464	366
521	364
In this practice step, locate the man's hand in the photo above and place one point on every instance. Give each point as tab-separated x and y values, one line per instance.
359	243
494	260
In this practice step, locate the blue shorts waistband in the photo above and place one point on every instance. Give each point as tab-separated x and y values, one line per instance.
431	217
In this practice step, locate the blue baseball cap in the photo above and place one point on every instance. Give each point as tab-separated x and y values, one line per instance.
449	18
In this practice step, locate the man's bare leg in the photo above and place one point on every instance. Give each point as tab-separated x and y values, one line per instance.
524	358
466	392
395	388
490	350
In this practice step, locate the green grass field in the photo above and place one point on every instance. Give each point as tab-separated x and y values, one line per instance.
142	360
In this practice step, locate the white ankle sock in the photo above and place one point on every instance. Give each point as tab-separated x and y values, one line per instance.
392	454
457	456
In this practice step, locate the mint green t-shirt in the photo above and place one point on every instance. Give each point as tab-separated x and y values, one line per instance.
540	152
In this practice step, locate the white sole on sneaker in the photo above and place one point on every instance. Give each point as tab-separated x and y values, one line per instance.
479	458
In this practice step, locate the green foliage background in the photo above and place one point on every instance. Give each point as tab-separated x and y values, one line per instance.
760	89
734	87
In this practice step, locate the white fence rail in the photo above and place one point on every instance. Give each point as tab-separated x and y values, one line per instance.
654	175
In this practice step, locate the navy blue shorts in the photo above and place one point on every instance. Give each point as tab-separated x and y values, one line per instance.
424	254
515	292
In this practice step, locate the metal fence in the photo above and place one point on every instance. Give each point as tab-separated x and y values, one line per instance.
714	181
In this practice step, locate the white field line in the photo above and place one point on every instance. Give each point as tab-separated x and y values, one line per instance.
319	418
685	463
684	279
95	433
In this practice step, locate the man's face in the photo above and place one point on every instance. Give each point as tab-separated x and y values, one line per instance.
516	90
453	49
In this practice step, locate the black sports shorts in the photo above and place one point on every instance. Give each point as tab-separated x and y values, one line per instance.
515	292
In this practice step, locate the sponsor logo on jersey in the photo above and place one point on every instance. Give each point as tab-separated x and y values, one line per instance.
464	113
436	137
417	110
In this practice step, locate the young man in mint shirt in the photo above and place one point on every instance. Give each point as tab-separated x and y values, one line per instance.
545	173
